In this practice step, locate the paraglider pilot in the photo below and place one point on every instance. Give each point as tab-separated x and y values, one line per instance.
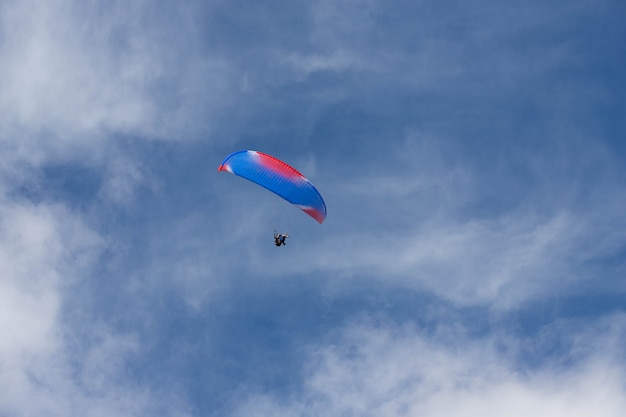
279	238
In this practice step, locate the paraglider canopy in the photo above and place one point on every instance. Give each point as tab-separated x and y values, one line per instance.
278	177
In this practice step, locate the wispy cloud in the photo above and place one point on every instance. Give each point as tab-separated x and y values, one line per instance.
44	249
76	72
400	370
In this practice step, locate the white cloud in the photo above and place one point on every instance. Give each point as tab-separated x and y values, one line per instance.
74	72
50	365
76	77
60	76
373	370
42	246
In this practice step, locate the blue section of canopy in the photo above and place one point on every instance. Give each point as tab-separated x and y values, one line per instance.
278	177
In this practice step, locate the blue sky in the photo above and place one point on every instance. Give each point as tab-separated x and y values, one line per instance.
471	155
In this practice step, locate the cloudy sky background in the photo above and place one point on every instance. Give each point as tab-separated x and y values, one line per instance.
472	156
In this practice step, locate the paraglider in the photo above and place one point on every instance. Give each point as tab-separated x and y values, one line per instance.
279	238
278	177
